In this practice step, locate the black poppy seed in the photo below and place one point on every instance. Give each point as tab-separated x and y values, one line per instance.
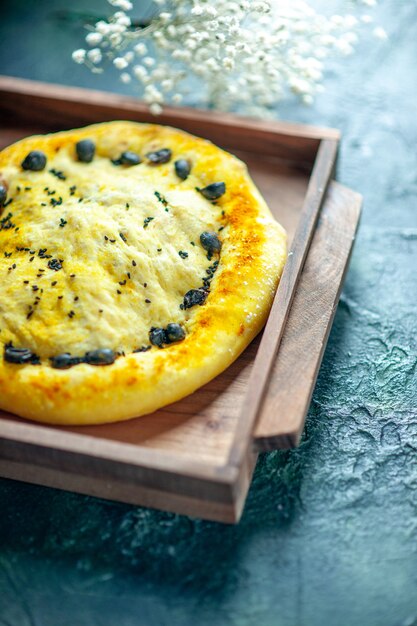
100	310
192	243
80	199
31	259
127	205
62	222
134	263
58	174
60	297
106	238
25	282
118	291
147	301
43	204
72	190
29	315
55	202
220	229
50	193
18	188
71	314
76	298
122	282
28	188
146	221
122	237
8	254
128	275
145	285
72	275
142	349
112	240
161	198
183	254
159	249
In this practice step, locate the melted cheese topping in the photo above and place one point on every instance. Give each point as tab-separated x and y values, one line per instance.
83	267
127	256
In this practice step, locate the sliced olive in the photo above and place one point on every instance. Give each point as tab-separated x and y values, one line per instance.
103	356
3	195
34	161
157	337
174	332
213	191
210	242
64	361
182	168
20	356
130	158
85	150
159	156
194	297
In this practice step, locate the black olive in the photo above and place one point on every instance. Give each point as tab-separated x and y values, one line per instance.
103	356
130	158
182	168
193	297
210	242
157	337
19	356
213	191
174	332
159	156
64	361
35	161
85	150
3	195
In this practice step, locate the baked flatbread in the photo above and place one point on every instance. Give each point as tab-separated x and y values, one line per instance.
136	261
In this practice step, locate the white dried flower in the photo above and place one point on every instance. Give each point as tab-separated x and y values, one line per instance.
120	63
94	55
93	39
245	55
79	55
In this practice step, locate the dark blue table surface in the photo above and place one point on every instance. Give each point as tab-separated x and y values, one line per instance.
329	532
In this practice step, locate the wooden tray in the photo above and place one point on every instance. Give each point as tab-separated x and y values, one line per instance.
196	456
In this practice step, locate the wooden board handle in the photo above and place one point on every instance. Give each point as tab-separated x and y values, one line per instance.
282	414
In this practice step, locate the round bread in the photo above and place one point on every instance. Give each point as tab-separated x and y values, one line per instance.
136	261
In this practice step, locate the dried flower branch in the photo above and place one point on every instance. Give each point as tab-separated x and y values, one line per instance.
243	55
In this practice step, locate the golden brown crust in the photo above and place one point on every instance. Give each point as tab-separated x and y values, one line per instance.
251	261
